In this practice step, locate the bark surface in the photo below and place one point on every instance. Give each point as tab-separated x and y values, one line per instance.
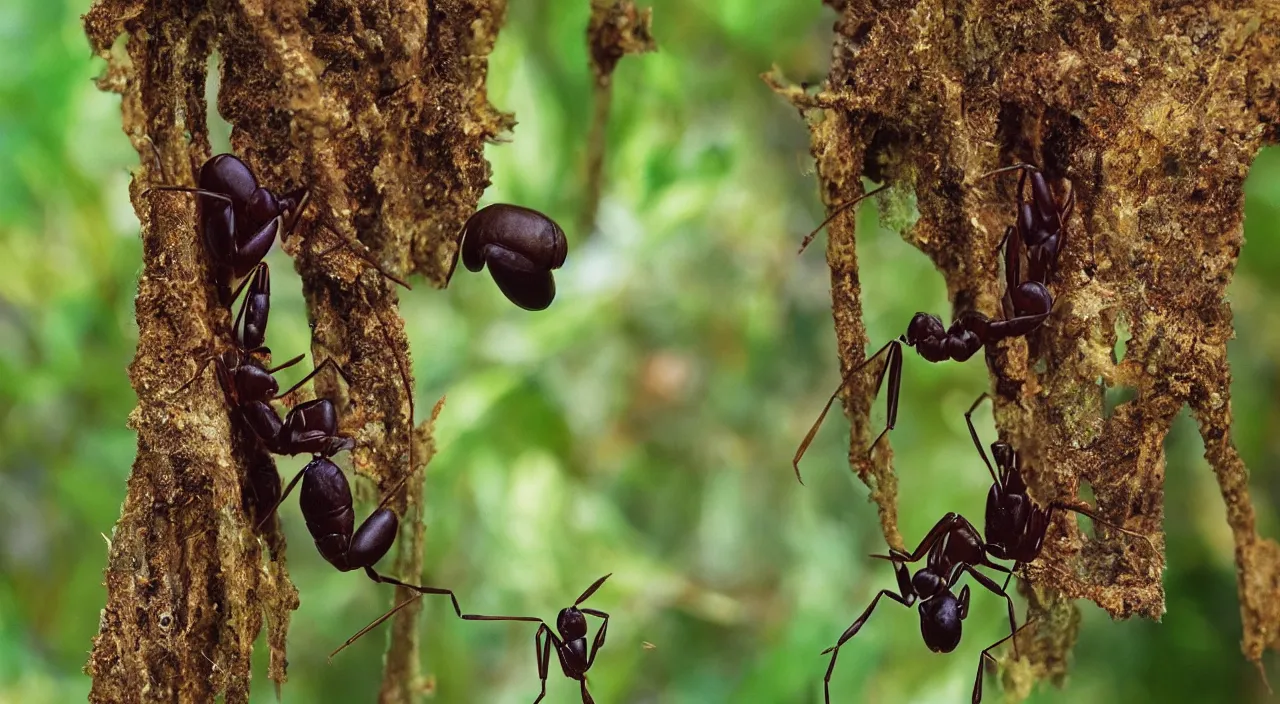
1153	113
381	111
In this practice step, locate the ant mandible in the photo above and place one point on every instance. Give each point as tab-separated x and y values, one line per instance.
521	246
953	547
239	220
571	645
1027	304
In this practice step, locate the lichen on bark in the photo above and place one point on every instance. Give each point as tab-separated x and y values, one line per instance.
1153	117
381	111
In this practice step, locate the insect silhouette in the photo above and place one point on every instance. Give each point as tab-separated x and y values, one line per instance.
239	220
521	247
1026	301
249	387
1015	524
953	548
570	646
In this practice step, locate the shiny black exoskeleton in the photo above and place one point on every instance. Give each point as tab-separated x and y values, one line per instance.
239	219
571	646
1015	525
953	547
521	246
1026	302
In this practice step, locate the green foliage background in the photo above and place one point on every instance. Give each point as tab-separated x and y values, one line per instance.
642	427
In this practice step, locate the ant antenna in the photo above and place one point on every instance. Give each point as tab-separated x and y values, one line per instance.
804	244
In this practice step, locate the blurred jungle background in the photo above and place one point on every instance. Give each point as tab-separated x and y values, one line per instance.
643	426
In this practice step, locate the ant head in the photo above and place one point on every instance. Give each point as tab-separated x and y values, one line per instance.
941	622
926	583
571	623
924	326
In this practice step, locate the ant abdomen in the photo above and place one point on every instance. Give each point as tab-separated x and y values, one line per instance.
941	623
521	246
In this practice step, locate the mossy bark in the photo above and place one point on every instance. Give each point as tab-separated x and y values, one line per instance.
1152	112
616	28
381	111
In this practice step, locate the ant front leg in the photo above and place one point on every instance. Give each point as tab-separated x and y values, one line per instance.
328	362
420	589
542	650
991	586
361	252
1091	515
598	642
893	367
586	696
943	527
907	598
986	655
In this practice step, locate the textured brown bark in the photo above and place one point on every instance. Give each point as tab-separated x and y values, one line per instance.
1153	112
616	28
381	110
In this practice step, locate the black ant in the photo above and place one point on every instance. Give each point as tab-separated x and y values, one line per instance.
239	220
521	246
1027	304
1015	524
571	646
326	498
954	547
1040	224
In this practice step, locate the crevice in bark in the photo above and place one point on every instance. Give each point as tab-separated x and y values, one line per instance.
1154	120
382	112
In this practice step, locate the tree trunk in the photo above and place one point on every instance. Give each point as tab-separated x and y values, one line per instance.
381	111
1152	112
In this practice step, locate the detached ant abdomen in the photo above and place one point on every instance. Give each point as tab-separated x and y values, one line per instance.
521	247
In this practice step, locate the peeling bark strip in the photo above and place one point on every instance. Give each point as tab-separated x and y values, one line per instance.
381	110
1154	118
616	28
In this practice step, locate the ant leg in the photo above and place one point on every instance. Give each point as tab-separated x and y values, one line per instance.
542	651
198	191
1023	166
287	364
1076	508
203	365
990	585
303	200
894	369
941	528
382	579
852	631
598	642
1012	571
986	655
804	244
328	362
895	352
421	591
586	696
364	255
259	282
287	490
376	622
968	420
